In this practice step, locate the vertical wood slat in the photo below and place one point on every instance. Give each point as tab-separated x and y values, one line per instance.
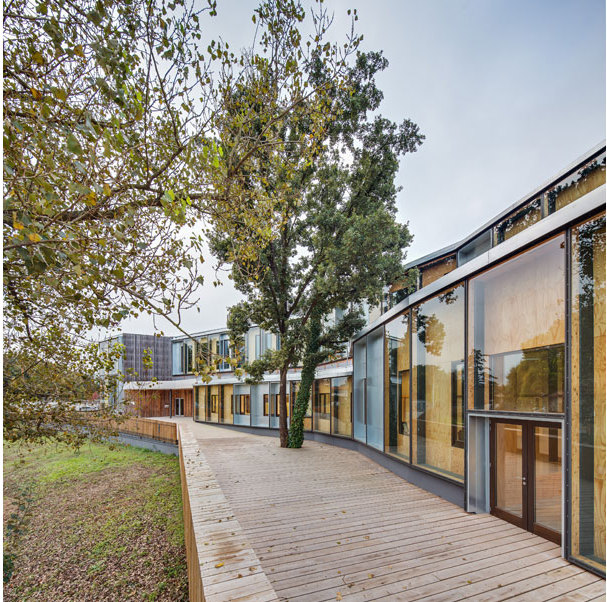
155	429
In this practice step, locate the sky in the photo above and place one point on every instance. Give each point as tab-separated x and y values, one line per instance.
507	93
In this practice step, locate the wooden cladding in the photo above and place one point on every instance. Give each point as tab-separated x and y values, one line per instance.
148	403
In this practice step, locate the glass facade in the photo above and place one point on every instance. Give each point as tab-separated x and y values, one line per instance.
226	409
535	358
242	405
477	246
183	355
524	217
322	405
433	271
516	333
360	389
588	393
397	381
341	406
581	182
437	373
375	389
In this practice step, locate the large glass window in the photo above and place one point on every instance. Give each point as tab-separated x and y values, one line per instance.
576	185
397	382
438	357
183	352
375	388
200	407
322	405
588	393
342	405
226	409
242	404
360	389
524	217
477	246
433	271
516	329
215	399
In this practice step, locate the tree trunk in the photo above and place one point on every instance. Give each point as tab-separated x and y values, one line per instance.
310	361
282	419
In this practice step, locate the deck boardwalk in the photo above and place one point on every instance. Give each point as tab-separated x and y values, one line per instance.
328	524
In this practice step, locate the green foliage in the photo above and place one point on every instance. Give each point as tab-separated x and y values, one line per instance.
310	361
337	242
126	135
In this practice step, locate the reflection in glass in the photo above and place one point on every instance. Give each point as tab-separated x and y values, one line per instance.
509	469
516	330
576	185
530	380
342	405
524	217
322	408
433	271
588	393
477	246
438	356
397	381
547	473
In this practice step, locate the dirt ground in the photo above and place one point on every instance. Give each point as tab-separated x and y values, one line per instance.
99	524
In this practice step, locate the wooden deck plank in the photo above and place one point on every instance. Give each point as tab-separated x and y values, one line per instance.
323	520
593	591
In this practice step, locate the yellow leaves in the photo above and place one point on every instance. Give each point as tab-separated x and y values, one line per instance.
60	94
219	565
370	576
106	189
36	94
79	51
17	225
38	58
338	596
35	237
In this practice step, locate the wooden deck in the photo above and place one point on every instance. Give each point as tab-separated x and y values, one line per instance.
329	524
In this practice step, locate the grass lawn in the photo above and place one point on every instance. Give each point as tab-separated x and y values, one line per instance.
97	524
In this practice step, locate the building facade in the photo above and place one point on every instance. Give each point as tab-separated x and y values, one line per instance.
485	382
143	357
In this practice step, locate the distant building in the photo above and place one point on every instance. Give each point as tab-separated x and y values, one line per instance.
131	365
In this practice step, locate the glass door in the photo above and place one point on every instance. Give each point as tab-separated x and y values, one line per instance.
526	475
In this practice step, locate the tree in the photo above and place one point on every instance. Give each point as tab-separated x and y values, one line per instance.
113	169
337	242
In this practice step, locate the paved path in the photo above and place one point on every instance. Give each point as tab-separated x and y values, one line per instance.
328	524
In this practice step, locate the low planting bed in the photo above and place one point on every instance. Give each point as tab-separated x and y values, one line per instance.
101	523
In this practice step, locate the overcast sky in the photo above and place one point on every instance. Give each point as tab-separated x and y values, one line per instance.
507	93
